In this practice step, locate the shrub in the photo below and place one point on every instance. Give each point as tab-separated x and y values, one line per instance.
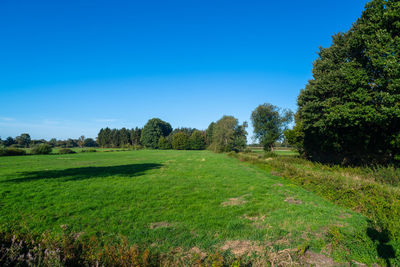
164	143
180	141
197	141
12	151
90	150
66	151
41	149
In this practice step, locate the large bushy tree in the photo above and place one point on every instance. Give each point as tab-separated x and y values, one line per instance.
269	122
350	111
23	140
153	130
180	141
197	140
228	135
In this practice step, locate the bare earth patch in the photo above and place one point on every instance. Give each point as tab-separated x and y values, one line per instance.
293	201
160	225
236	201
242	247
280	185
317	259
195	251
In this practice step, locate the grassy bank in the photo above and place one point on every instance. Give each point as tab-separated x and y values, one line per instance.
175	203
371	191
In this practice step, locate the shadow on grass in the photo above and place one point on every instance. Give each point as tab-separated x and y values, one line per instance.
385	251
82	173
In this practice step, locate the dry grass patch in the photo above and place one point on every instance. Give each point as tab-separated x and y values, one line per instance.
160	225
243	247
235	201
316	259
293	201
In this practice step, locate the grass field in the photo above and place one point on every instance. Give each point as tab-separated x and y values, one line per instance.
177	199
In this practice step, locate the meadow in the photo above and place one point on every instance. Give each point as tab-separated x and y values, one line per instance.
180	201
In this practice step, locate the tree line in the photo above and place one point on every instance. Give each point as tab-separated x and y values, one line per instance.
24	141
223	135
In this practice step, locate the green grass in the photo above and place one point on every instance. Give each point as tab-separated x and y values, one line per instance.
126	193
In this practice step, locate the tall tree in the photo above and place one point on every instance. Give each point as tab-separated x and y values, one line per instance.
23	140
124	137
81	141
180	141
269	122
209	133
197	140
228	135
135	136
350	111
9	141
153	130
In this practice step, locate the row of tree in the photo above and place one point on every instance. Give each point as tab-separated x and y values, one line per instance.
24	141
221	136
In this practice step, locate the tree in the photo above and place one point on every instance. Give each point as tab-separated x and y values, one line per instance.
135	136
197	140
180	141
71	143
9	141
228	135
269	122
53	142
164	143
23	140
89	142
81	141
209	133
153	130
124	137
350	111
115	138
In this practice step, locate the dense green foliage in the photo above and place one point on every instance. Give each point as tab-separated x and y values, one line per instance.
180	141
269	123
350	111
165	143
197	141
153	130
41	149
23	140
373	192
11	151
66	151
168	199
209	133
228	135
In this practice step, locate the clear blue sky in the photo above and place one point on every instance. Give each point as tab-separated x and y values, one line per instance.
69	68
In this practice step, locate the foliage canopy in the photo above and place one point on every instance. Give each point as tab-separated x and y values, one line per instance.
350	111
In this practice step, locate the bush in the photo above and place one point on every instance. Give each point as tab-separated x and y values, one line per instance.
180	141
197	141
12	151
90	150
164	143
41	149
66	151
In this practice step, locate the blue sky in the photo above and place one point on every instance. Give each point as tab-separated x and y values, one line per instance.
69	68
